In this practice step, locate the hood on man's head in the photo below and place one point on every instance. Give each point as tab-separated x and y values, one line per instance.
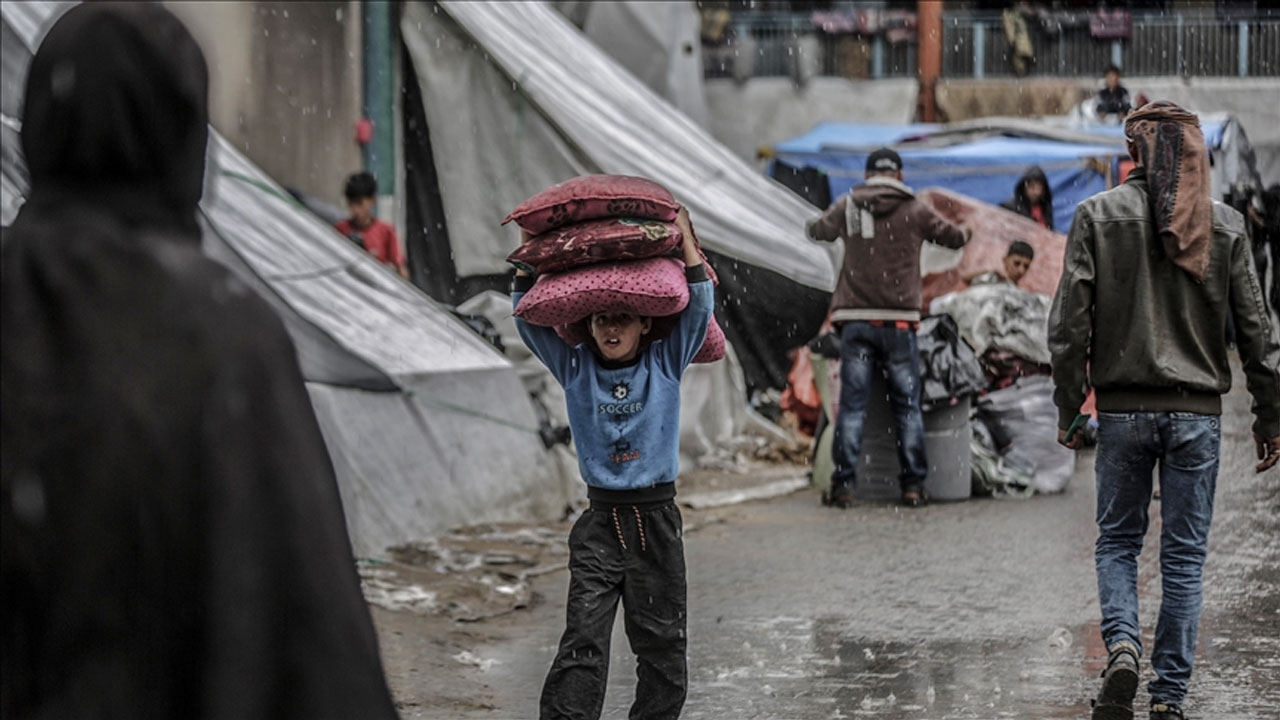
1033	173
117	101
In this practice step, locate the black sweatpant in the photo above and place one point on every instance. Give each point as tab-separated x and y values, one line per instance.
633	553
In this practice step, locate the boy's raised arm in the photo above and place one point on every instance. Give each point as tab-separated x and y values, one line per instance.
691	329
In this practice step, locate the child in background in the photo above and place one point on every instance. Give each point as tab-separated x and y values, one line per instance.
624	410
378	238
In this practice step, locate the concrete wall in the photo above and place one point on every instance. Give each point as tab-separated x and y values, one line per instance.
285	85
763	111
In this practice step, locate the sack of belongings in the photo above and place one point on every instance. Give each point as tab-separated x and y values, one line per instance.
1023	423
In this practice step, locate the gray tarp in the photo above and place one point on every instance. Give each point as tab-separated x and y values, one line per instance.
1000	316
556	81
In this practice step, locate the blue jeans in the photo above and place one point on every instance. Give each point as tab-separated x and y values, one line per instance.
1187	448
864	349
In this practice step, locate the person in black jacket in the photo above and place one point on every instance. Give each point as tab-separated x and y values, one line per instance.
1032	197
173	538
1113	98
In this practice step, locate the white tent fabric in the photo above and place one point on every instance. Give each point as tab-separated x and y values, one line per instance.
456	443
659	42
492	148
608	120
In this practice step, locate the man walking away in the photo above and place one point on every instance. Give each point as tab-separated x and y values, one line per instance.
876	305
1161	265
1032	197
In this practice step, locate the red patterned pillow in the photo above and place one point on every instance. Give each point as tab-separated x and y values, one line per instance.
712	346
651	288
591	197
596	241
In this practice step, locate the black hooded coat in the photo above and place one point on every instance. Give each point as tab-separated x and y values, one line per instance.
173	537
1020	204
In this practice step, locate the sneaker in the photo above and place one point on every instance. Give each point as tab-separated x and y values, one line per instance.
838	496
1164	711
914	496
1119	686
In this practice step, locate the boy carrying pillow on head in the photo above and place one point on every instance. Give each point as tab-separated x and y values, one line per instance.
624	410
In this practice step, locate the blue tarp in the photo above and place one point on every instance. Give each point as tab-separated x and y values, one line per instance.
1213	130
986	169
836	136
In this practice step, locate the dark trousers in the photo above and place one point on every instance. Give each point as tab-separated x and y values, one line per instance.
634	554
864	349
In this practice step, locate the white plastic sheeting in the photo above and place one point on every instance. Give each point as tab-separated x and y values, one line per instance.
456	443
492	148
659	42
1000	316
608	120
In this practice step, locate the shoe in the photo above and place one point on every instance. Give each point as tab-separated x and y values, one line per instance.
1119	686
1164	711
840	497
914	496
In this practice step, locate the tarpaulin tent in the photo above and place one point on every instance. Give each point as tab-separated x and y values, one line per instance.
986	168
511	97
984	158
1233	163
428	426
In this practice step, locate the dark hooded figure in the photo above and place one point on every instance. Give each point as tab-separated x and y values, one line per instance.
1032	197
173	538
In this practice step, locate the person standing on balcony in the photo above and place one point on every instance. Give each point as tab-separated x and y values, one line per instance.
1113	98
1016	21
1152	270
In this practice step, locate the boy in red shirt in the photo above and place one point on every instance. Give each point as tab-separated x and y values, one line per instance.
374	235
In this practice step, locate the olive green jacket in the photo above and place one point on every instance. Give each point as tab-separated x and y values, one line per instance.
1142	332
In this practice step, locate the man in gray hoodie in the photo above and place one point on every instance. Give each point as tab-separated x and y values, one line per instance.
876	307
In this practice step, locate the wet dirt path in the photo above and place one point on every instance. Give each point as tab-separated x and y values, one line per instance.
984	609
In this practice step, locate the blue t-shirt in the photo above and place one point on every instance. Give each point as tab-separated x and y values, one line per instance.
626	420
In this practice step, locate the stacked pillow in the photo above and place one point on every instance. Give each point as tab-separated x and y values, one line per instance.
605	243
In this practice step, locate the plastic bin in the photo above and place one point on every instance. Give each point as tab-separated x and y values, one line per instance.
947	434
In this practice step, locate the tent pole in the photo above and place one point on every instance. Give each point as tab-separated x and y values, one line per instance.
379	78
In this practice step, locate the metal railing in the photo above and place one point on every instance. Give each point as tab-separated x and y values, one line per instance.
974	45
788	44
1160	44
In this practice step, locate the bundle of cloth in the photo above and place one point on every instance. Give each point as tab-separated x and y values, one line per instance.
1006	326
606	243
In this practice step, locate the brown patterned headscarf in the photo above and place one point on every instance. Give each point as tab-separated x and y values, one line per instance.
1167	141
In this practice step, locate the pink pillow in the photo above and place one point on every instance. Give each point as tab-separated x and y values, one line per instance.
712	346
591	197
596	241
652	288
